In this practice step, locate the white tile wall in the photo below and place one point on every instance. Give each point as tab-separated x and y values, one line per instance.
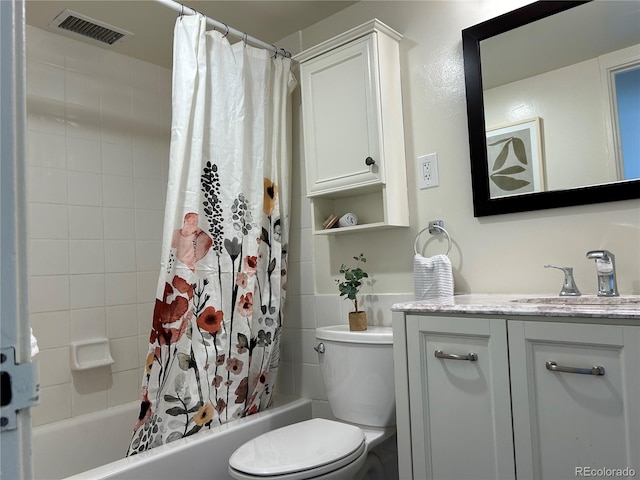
122	321
117	159
95	168
55	404
46	80
86	256
86	223
46	150
85	188
118	191
48	293
121	288
120	255
118	223
124	387
53	327
46	115
84	155
49	257
87	291
148	224
54	366
48	221
48	185
87	323
89	391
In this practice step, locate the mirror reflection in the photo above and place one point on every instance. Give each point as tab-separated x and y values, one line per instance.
562	100
559	123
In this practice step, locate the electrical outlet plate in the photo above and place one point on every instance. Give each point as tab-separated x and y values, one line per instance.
428	171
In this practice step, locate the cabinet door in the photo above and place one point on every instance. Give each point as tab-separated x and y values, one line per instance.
568	422
460	409
341	115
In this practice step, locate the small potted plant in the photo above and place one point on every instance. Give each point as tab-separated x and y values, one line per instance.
350	288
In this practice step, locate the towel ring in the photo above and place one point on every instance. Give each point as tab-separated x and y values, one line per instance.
432	230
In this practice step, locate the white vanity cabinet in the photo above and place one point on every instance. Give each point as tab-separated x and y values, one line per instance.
459	396
583	412
460	418
353	128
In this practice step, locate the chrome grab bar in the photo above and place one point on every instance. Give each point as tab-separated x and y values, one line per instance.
595	370
471	357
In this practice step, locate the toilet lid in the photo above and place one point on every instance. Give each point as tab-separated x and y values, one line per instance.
298	447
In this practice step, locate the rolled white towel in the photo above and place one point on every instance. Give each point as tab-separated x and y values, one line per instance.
34	344
432	277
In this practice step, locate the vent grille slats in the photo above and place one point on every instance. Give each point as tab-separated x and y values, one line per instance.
87	27
91	30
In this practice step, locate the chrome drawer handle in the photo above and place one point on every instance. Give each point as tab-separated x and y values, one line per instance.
595	370
471	357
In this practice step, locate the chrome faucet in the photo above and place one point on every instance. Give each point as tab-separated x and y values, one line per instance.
569	287
606	270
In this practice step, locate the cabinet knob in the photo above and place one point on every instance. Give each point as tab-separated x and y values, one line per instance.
369	161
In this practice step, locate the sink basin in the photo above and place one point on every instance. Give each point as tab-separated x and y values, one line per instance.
582	300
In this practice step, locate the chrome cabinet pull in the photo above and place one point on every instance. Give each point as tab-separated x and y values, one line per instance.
471	357
595	370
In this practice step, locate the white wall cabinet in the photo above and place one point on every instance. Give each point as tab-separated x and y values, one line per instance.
353	128
341	113
463	419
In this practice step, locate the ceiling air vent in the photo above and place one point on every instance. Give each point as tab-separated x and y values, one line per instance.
88	27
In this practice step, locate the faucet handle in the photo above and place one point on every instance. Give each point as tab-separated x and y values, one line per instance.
569	287
604	255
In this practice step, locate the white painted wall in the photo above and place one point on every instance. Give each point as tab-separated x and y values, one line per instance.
504	253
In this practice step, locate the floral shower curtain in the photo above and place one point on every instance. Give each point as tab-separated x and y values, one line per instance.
214	343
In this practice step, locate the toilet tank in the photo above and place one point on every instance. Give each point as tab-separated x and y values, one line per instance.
357	370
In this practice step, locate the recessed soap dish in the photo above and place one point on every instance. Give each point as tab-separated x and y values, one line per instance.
92	353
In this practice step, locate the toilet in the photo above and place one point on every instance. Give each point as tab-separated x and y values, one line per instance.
357	370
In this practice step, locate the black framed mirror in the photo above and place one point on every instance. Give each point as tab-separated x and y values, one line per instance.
490	139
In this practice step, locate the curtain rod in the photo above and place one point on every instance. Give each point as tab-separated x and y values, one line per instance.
180	8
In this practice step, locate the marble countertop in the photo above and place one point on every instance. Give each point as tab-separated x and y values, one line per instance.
586	306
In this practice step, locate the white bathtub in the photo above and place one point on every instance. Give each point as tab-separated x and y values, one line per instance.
93	446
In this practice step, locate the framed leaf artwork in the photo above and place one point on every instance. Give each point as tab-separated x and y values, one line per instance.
514	156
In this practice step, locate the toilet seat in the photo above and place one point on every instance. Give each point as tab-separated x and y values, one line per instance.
298	451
